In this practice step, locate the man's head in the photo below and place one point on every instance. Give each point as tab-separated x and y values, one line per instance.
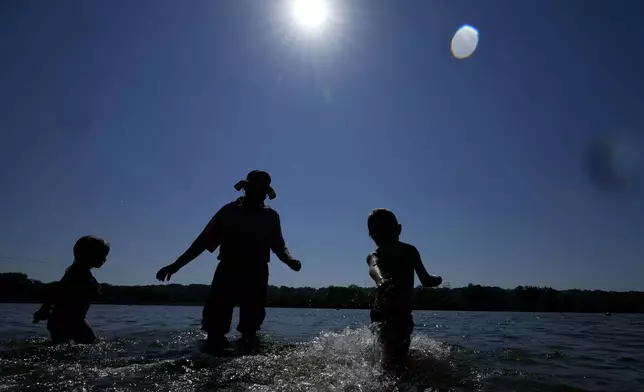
91	251
383	226
256	186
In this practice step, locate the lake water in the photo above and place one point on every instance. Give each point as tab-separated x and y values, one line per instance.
155	348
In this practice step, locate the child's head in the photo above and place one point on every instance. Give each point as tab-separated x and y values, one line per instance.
383	226
91	251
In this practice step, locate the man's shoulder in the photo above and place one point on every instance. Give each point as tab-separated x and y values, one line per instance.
239	203
235	210
229	207
224	212
268	208
231	204
270	211
224	208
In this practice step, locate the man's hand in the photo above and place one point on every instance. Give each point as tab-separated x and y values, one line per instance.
432	281
41	315
295	265
166	272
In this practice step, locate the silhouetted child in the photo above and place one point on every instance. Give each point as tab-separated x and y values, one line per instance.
68	300
392	266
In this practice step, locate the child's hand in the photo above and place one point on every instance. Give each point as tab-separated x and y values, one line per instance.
295	265
41	315
384	285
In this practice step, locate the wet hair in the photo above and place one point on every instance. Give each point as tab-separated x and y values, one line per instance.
383	226
89	246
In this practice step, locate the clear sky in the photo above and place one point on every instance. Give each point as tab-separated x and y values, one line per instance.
133	120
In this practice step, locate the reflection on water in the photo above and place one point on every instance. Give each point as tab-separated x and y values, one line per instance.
156	349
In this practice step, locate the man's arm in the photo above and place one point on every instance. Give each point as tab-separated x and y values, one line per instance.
193	251
278	245
425	278
209	239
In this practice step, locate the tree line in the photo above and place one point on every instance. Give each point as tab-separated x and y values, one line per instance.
17	287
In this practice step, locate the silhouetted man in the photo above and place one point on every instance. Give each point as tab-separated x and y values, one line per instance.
246	230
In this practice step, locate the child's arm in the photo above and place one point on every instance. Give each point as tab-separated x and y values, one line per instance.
55	292
425	278
374	270
51	294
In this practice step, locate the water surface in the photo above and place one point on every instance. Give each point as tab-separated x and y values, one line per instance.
155	348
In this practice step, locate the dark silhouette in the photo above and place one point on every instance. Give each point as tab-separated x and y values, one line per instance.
67	301
246	230
392	266
17	287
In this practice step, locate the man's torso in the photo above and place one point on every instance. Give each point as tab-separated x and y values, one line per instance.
246	233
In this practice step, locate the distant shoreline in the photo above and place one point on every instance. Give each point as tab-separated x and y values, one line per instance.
194	304
18	288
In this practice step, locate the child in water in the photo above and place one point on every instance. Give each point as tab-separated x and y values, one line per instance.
392	266
68	301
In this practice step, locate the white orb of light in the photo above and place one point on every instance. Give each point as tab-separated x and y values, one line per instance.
310	13
465	41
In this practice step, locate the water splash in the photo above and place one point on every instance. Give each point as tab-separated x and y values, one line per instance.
347	361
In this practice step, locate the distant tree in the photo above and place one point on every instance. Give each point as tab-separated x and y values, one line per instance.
17	287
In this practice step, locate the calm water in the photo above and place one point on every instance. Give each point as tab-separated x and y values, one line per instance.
148	348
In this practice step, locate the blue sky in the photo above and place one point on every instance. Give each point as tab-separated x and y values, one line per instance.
133	120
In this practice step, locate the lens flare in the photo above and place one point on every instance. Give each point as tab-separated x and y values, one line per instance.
310	13
465	42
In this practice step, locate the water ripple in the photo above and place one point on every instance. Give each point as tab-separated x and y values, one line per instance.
153	349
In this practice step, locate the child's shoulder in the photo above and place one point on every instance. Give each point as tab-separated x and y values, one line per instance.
76	272
407	247
398	248
401	249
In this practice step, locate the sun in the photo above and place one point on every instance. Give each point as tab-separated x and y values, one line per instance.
311	14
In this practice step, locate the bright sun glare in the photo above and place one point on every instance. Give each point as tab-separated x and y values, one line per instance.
310	13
